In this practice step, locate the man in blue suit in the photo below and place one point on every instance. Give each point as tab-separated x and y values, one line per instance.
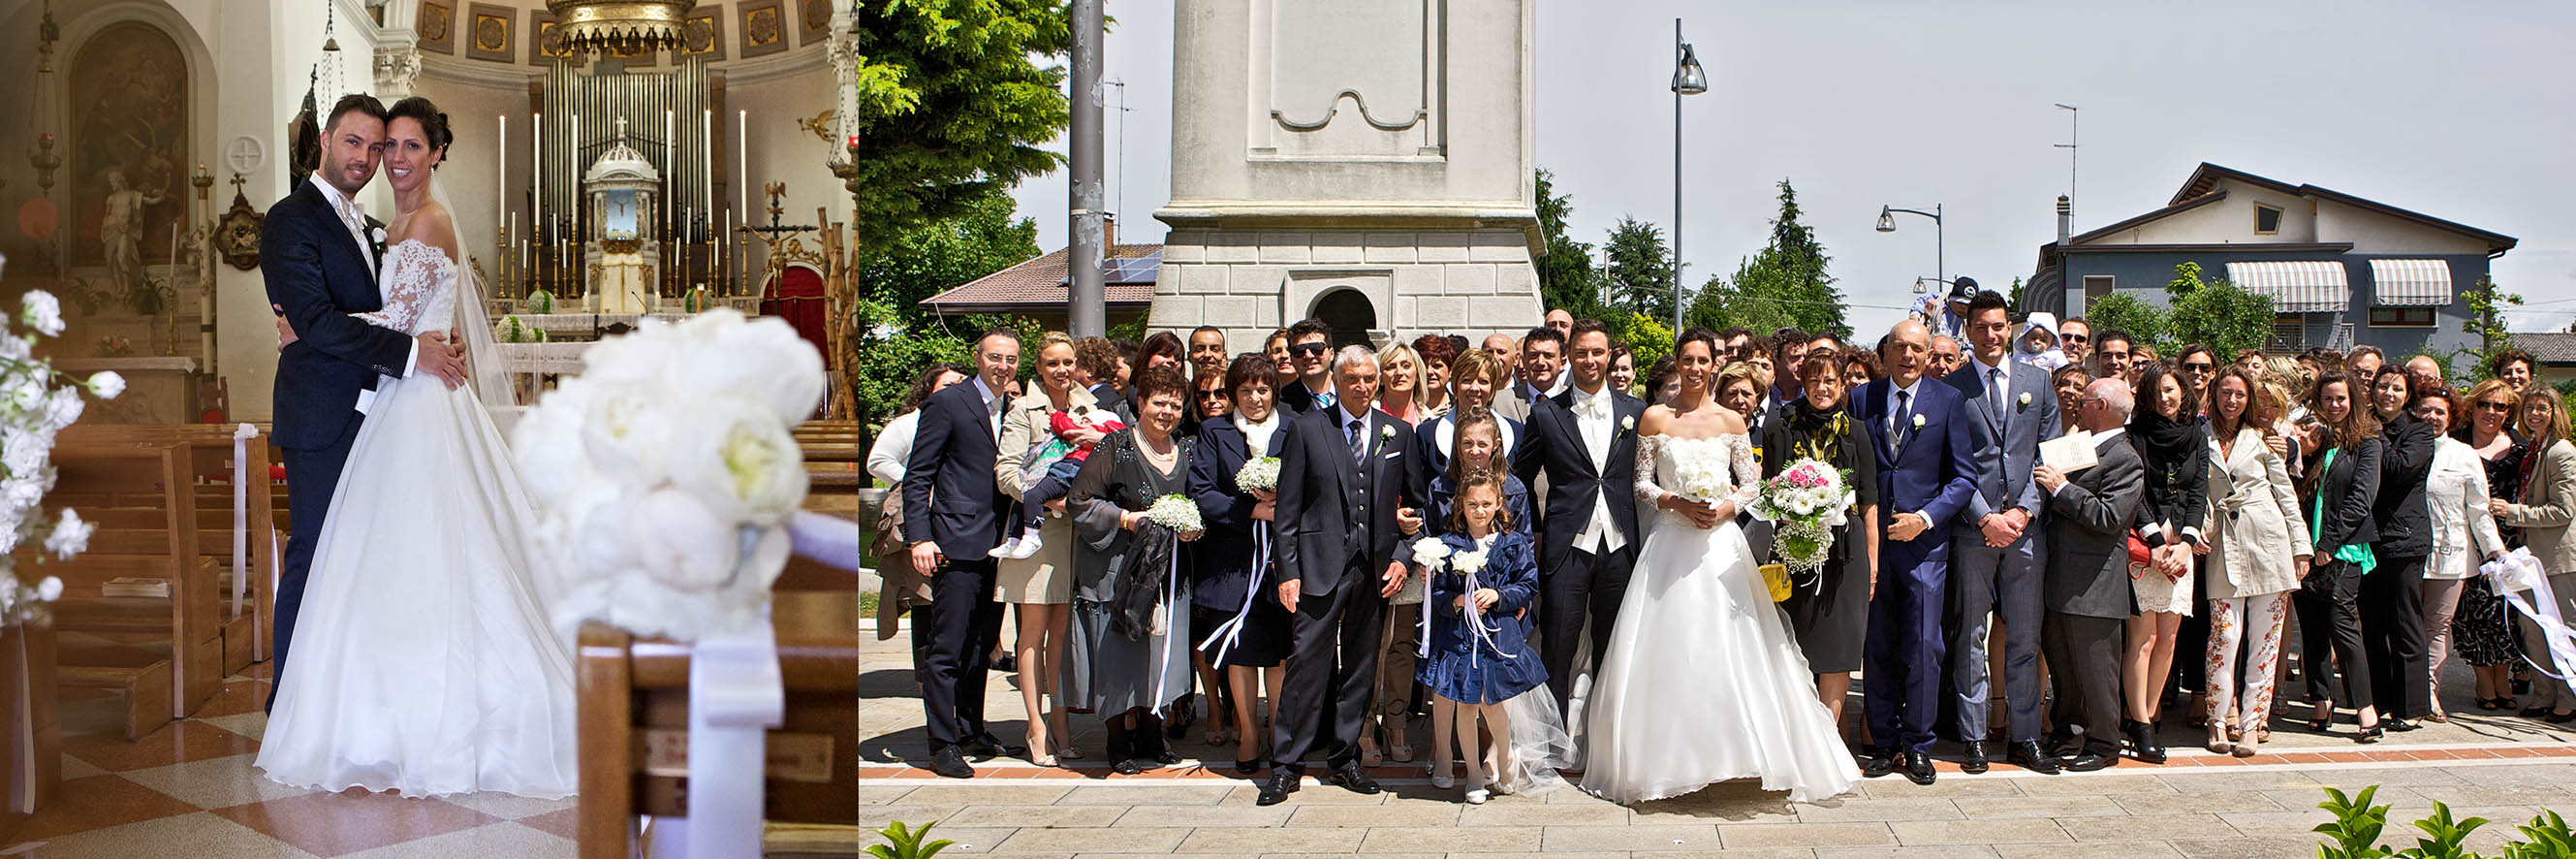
1925	477
952	516
1995	546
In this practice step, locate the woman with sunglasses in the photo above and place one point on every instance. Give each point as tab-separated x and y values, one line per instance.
2543	510
2197	366
2482	625
2392	597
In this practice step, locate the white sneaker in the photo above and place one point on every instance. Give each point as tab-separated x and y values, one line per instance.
1027	546
1440	777
1004	551
1477	796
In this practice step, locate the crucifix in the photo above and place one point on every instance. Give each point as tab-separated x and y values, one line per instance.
621	128
776	233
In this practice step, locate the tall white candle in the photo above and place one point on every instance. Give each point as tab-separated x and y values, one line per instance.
501	173
742	162
707	132
537	177
670	162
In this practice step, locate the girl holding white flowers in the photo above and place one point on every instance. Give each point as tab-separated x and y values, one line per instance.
1131	587
1482	572
1478	442
1830	612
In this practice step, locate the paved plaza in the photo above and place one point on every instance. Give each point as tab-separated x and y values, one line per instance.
2502	768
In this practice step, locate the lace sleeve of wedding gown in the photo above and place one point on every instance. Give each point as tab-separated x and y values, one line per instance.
411	281
1650	450
1748	471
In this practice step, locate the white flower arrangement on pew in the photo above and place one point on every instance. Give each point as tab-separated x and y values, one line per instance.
664	475
32	410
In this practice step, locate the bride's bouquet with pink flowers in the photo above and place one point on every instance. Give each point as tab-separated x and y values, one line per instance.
1804	503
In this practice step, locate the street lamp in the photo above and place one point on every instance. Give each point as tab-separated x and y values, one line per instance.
1688	79
1887	224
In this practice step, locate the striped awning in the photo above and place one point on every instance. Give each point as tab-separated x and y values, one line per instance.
2411	282
2296	286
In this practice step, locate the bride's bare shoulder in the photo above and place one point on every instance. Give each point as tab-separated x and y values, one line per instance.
1728	422
1657	416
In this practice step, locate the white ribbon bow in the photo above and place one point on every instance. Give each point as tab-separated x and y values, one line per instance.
2519	571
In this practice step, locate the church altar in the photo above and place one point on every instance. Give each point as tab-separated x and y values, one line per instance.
158	389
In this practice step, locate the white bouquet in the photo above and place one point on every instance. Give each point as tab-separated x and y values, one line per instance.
1700	472
1467	563
1430	553
1805	503
1177	513
664	475
1261	473
32	410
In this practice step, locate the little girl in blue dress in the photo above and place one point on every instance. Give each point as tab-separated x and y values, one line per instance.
1480	657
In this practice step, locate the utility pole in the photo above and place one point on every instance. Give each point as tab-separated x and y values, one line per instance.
1086	310
2072	115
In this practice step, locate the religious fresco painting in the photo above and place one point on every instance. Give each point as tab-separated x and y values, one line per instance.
129	148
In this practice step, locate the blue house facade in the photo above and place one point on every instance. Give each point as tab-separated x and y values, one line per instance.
2341	270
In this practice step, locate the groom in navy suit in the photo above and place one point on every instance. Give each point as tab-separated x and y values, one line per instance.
317	256
1920	430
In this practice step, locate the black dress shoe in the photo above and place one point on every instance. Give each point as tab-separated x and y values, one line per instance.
951	763
2401	725
988	747
1127	766
2026	754
1877	762
2143	742
1352	779
2089	760
1276	788
1974	761
1918	768
2063	743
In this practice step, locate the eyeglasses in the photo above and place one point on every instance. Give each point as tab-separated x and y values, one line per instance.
2198	367
2077	338
2506	408
1310	348
2116	356
1212	395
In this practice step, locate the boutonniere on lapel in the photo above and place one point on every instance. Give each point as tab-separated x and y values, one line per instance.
2024	401
1918	421
1386	433
1627	423
376	237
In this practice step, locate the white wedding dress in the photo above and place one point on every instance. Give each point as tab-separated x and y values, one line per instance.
1703	681
423	659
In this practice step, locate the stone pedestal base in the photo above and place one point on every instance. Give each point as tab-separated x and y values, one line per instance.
1390	283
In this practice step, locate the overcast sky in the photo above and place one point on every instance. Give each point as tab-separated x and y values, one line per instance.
2457	110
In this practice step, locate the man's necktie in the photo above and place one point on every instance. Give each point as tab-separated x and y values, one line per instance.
1995	392
1904	421
1359	442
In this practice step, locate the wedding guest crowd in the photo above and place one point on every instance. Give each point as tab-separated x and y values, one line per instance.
2054	539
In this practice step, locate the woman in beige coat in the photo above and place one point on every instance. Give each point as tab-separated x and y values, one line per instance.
2547	505
2257	552
1042	584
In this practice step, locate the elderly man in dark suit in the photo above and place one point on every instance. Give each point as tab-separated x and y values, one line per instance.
1995	548
2088	594
952	515
1350	486
1584	441
1919	428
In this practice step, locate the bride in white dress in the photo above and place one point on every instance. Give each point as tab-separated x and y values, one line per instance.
423	662
1703	681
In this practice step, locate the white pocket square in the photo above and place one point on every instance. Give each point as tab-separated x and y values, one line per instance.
1392	455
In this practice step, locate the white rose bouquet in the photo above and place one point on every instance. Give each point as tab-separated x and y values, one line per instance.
1177	513
1700	472
1259	474
33	408
1430	554
664	474
1805	503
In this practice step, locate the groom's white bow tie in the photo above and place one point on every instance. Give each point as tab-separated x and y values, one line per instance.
1592	407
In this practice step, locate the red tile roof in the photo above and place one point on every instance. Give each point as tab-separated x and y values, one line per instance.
1040	282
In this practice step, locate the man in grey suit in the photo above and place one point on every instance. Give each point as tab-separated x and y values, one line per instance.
2088	594
1542	352
1994	550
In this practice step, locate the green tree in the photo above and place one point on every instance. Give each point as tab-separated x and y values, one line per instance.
1566	277
896	337
2215	313
2123	312
1649	339
2486	320
952	105
1784	284
1637	270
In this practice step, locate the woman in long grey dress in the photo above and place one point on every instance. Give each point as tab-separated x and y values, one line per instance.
1126	671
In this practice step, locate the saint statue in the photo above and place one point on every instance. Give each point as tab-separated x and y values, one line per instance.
121	230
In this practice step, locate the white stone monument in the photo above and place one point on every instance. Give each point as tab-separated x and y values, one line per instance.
1363	161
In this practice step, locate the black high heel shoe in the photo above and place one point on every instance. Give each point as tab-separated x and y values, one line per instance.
2370	734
